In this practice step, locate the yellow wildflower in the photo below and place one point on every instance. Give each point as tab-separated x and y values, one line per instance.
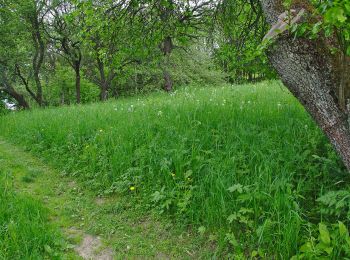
132	188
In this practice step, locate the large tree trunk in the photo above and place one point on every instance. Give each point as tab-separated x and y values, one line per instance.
316	79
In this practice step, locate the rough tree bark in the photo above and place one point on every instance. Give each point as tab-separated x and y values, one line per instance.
167	47
317	78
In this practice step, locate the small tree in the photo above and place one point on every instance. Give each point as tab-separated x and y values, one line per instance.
170	24
63	32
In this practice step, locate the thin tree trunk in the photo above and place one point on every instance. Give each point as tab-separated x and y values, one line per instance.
312	74
25	82
168	83
37	62
103	81
167	49
38	58
77	82
74	57
62	97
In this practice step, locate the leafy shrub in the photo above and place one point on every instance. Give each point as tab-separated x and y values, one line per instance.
333	244
336	204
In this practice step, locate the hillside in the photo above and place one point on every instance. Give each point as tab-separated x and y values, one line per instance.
242	166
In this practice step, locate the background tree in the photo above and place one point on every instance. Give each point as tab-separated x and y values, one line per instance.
22	21
64	30
239	29
109	42
170	24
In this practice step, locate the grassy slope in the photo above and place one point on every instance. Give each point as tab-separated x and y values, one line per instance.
241	163
46	214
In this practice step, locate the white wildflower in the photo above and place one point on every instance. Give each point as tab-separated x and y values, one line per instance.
131	108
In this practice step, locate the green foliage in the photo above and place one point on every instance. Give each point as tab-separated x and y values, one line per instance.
237	39
191	67
60	88
3	109
329	18
336	204
333	244
337	17
206	157
195	67
122	47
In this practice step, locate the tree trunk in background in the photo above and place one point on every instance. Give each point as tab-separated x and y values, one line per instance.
17	96
103	80
168	83
104	92
315	77
38	57
167	49
62	98
74	57
77	81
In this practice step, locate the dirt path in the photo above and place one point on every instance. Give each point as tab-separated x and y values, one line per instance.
39	181
95	227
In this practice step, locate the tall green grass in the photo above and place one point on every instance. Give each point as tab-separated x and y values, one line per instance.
25	231
244	164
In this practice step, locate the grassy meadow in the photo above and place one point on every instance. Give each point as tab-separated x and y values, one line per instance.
242	166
